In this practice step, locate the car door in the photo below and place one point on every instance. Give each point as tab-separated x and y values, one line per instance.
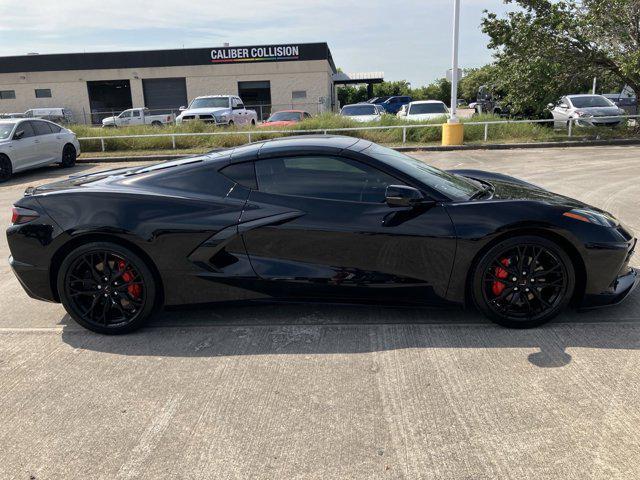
237	108
25	147
136	118
319	226
48	149
124	119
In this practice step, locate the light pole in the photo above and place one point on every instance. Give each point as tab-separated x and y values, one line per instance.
454	62
453	130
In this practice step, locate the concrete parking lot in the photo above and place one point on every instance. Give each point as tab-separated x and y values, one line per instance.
331	392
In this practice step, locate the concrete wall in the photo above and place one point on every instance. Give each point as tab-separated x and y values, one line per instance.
69	88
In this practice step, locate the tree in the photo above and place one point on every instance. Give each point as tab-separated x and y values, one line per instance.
474	78
549	48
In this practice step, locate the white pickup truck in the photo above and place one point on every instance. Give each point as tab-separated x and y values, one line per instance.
138	116
218	109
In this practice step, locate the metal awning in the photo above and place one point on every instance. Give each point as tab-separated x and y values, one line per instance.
342	78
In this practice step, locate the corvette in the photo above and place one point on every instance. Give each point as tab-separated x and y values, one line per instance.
317	218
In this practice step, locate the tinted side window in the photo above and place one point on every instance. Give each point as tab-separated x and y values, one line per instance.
135	113
54	128
242	173
323	177
41	128
26	128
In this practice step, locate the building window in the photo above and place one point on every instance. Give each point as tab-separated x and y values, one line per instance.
299	95
7	94
43	93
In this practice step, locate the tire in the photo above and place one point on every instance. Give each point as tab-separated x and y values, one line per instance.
230	124
253	122
6	168
543	287
120	305
156	123
68	156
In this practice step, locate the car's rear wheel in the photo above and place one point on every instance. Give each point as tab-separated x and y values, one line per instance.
6	169
156	123
68	156
107	288
523	282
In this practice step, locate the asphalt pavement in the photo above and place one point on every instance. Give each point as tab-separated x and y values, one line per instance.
331	392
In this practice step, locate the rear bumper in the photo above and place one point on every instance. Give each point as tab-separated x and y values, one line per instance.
34	280
620	289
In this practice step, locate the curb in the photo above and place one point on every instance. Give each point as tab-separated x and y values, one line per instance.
427	148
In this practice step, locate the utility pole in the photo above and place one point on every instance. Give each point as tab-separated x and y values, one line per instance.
454	62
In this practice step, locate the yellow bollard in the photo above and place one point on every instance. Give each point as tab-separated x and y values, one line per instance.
452	134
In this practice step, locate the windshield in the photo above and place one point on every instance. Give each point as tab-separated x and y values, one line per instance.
355	110
591	101
285	117
453	186
218	102
5	130
420	108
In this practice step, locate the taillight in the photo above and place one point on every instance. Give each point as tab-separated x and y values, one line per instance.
21	215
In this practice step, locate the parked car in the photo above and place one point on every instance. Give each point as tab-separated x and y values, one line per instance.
138	116
12	115
627	103
284	118
60	115
488	102
323	217
393	105
587	111
424	110
26	144
362	112
218	109
378	100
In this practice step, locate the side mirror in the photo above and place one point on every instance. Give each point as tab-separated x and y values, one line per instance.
402	196
182	108
18	135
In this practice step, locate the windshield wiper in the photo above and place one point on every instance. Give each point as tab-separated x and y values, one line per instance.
484	189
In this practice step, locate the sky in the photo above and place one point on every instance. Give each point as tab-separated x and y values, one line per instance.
407	40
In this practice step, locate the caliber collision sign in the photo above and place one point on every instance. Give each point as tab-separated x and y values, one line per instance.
271	53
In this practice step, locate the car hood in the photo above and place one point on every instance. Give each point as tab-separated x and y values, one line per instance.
363	118
109	120
197	111
600	111
281	123
511	188
426	116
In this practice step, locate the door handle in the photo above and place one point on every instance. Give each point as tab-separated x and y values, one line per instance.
36	141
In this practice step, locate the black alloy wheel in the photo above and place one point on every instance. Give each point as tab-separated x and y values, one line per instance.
68	156
6	169
107	288
523	282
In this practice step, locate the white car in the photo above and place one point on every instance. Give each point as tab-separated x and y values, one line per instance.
218	109
31	143
424	110
137	116
362	112
585	111
62	115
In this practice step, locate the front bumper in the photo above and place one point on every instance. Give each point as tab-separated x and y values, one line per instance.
621	288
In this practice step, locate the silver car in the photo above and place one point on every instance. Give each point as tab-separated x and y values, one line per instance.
31	143
585	111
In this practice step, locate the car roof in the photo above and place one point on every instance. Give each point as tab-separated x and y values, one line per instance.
583	95
292	111
216	96
300	144
425	101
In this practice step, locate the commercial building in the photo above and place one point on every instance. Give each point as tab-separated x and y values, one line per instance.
92	85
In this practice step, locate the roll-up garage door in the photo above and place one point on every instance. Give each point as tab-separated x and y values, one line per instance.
163	95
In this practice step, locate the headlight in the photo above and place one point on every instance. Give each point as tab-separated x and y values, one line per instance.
590	216
220	118
582	114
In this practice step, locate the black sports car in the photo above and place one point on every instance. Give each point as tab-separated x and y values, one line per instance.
313	218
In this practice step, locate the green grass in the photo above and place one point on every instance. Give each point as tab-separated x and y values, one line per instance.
505	133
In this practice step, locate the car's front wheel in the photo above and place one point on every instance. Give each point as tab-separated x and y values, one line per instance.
107	288
523	282
6	168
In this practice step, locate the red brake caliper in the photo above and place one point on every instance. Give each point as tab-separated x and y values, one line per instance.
134	290
498	287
